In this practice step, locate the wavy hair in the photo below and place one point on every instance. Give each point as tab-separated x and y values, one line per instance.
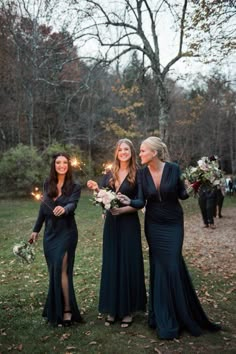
52	181
132	163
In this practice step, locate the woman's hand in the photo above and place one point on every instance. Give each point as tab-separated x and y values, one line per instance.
58	211
92	185
34	236
124	199
116	211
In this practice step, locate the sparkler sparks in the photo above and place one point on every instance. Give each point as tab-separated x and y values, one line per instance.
78	165
39	196
107	167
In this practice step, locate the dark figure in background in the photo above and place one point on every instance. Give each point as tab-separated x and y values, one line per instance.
173	303
207	203
220	194
230	186
122	290
60	198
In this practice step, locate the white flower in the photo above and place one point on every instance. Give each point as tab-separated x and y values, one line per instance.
206	172
25	251
106	198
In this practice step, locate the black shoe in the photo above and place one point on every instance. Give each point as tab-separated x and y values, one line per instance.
67	323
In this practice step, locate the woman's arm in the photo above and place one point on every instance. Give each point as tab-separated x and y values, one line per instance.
139	201
40	219
181	188
73	200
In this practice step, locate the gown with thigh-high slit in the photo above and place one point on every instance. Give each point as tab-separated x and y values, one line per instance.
60	237
173	303
122	290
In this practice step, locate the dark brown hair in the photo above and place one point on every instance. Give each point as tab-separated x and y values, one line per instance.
52	181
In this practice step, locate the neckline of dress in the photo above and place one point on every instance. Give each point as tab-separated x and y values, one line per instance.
158	187
117	189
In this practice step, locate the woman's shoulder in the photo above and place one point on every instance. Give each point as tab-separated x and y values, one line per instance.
141	170
173	165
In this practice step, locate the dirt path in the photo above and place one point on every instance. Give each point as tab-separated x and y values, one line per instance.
212	251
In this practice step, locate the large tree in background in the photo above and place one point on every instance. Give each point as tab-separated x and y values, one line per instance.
140	25
131	25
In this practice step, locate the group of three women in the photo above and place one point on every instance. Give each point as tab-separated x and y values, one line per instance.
173	303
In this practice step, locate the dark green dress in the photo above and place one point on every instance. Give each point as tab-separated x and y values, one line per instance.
60	236
122	290
173	303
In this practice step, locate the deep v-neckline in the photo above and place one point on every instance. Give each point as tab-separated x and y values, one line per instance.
157	188
118	189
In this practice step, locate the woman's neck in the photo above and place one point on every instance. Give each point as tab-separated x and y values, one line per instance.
60	180
156	165
123	166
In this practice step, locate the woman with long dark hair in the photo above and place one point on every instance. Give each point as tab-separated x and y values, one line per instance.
60	198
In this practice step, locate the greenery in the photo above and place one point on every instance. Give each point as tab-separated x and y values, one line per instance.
22	167
24	287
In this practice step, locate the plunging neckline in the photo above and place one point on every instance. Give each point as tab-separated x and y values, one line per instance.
153	182
118	189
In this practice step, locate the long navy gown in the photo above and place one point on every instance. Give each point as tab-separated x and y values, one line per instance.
122	290
173	303
60	236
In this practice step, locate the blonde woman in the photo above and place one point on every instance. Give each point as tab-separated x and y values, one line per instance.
173	303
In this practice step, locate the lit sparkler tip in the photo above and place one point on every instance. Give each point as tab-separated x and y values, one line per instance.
107	167
74	162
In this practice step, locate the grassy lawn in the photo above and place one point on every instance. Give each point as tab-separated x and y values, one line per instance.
24	287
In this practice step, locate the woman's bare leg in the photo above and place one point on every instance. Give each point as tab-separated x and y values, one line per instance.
65	287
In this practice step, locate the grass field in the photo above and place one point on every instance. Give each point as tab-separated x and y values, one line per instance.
23	290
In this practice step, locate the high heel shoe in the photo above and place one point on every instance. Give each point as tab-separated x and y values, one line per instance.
68	322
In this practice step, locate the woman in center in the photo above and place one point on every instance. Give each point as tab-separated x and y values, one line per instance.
122	291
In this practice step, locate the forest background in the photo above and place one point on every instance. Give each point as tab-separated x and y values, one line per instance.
78	75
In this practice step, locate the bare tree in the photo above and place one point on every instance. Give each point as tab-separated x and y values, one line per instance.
132	25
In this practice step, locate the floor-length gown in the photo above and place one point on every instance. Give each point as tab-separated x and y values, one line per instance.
60	237
173	303
122	290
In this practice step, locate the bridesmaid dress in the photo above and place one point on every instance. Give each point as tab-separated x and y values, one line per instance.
173	303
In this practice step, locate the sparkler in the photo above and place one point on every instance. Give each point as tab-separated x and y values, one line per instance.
38	196
107	167
77	164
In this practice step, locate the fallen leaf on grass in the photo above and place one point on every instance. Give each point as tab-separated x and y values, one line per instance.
43	339
65	336
157	350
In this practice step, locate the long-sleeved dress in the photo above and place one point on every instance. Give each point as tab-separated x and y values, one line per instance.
173	303
122	290
60	236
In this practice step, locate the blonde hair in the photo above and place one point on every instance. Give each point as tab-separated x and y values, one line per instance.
132	163
156	144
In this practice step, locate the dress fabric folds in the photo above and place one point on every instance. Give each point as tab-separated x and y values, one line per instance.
173	303
60	237
122	288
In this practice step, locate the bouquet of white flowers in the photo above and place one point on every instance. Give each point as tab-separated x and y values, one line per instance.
206	172
24	250
106	198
